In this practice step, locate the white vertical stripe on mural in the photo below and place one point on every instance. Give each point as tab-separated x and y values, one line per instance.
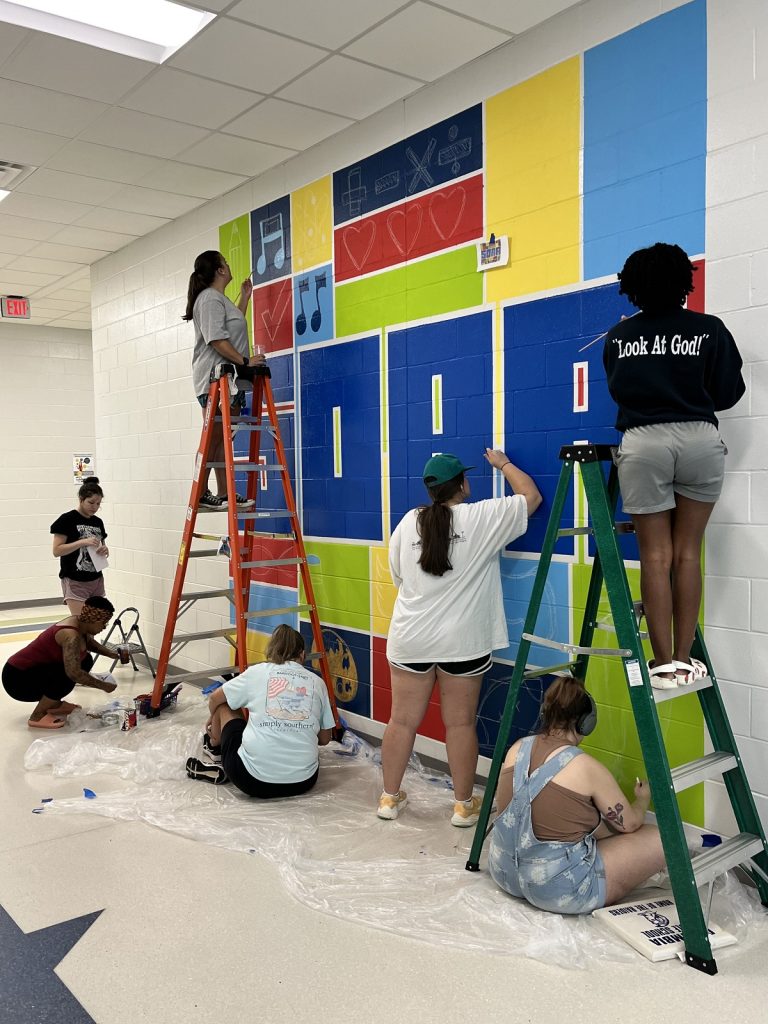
437	403
337	440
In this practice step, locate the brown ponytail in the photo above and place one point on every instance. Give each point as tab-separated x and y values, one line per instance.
565	701
285	644
435	526
202	277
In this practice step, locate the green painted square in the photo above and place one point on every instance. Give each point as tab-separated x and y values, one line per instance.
615	741
341	583
235	247
440	284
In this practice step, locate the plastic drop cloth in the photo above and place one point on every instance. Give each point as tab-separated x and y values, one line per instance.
331	851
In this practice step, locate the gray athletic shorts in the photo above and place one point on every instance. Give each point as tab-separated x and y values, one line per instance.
663	459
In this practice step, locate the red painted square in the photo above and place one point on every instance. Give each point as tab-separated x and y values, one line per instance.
696	298
273	315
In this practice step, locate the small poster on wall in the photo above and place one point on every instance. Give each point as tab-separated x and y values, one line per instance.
83	466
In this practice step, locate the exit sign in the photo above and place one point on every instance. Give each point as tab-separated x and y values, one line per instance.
15	306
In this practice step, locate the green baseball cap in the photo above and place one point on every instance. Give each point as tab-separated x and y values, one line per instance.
442	468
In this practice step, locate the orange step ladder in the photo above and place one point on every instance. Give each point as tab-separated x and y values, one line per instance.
242	544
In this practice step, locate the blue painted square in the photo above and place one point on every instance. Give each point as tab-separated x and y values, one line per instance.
341	375
265	596
517	578
457	350
349	660
271	241
493	696
645	154
313	305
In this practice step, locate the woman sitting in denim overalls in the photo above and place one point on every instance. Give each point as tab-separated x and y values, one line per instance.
566	838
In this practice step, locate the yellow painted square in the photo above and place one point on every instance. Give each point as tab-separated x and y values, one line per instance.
383	591
312	224
533	135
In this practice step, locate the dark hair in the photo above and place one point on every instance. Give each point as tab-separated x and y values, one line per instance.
435	525
658	278
89	488
202	277
565	701
101	604
285	644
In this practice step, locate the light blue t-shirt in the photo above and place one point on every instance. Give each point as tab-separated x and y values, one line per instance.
288	705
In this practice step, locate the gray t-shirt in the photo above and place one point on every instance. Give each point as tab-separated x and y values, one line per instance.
214	317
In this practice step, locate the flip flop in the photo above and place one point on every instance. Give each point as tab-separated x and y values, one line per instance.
66	709
657	672
48	721
689	673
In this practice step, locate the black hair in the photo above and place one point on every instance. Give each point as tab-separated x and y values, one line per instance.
435	525
657	279
100	604
565	701
202	277
285	644
90	488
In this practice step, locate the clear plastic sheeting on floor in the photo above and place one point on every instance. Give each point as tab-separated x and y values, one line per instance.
332	852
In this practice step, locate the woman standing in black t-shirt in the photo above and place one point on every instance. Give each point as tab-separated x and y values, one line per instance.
669	370
75	535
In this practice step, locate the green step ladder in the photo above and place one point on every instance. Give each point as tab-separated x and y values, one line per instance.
748	848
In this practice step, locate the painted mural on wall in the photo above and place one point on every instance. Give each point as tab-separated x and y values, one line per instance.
387	345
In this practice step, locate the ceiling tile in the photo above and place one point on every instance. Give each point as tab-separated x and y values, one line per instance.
312	23
67	295
151	202
107	241
75	188
53	304
103	162
517	17
73	253
48	111
185	97
15	246
10	38
287	124
9	276
24	146
346	87
240	156
79	325
38	266
208	5
172	176
54	63
119	220
26	227
19	204
406	42
250	57
6	257
142	133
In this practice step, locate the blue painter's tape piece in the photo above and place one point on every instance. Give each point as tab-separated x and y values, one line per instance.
644	158
434	156
47	800
38	810
89	794
209	689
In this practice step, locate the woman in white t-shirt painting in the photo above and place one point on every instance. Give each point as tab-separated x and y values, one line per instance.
274	752
448	618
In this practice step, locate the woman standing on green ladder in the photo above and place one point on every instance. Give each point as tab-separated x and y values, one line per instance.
669	371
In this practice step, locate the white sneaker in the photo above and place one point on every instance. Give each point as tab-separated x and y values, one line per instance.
466	815
390	806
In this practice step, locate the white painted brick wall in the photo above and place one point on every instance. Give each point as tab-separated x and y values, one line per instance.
736	611
46	416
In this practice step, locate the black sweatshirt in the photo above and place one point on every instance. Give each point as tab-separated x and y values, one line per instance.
671	367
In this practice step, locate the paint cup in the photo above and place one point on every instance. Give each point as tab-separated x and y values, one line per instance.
124	653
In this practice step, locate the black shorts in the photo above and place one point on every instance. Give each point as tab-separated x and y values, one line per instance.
231	762
32	684
474	667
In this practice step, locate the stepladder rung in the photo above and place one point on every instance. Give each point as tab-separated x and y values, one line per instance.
207	553
262	613
248	467
711	766
557	645
681	690
268	513
266	562
205	634
719	859
202	595
206	673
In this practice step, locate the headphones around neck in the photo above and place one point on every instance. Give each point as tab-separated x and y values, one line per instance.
587	720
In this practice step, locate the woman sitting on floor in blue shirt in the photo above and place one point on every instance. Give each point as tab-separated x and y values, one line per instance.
274	752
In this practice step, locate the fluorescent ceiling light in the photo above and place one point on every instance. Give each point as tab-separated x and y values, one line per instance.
3	194
149	29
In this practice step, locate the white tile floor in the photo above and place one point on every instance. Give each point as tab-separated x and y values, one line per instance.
190	932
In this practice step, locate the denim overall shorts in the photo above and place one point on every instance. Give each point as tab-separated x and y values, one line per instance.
566	878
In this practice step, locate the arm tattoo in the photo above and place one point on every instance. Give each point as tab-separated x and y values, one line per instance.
614	815
72	664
